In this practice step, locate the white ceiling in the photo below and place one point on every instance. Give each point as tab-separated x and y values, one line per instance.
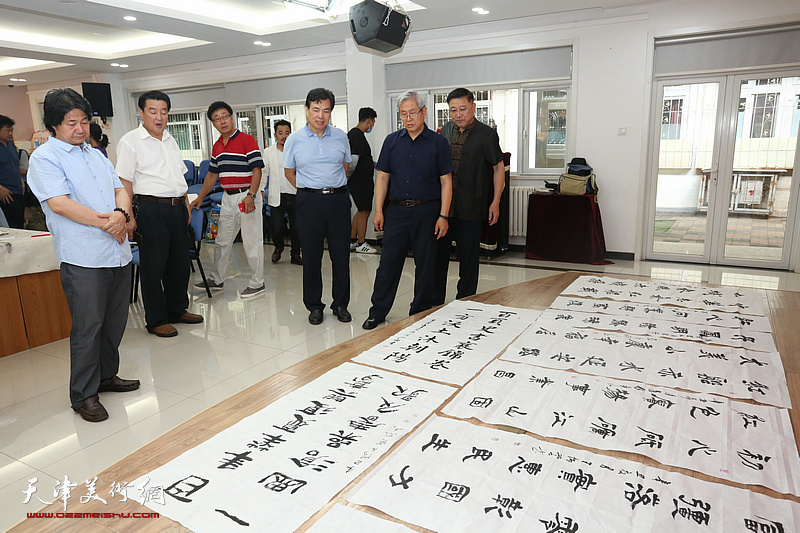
83	37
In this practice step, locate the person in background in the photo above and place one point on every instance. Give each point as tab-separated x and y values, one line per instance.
151	168
361	182
478	175
414	173
282	195
88	212
12	189
316	159
98	139
236	162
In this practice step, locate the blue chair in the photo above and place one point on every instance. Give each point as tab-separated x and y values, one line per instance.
135	273
202	170
191	173
196	230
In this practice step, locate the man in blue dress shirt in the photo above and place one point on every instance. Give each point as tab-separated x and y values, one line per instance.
87	211
414	173
316	159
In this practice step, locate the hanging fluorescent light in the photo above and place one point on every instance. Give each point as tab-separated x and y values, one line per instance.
323	6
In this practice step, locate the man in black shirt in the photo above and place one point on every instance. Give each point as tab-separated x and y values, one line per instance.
361	182
478	175
414	173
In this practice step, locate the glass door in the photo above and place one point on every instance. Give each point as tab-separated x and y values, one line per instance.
759	190
685	168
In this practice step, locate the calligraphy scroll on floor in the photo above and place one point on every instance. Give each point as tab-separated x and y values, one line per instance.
754	340
452	344
731	372
743	323
276	468
730	299
737	441
343	519
452	476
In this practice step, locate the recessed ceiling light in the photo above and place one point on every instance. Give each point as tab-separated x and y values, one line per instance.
123	65
130	18
114	64
17	79
98	34
257	43
266	44
480	11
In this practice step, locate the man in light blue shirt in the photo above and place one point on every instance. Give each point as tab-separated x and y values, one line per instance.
316	159
87	212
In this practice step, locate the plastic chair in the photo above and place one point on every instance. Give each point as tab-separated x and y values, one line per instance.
196	227
202	170
135	273
191	173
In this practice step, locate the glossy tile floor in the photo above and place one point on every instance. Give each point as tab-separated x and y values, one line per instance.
240	343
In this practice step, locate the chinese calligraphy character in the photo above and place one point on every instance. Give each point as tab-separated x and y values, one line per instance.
278	482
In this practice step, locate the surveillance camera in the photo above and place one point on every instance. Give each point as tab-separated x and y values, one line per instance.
10	84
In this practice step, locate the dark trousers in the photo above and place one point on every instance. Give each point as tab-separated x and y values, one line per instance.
15	211
98	303
404	228
276	215
164	257
467	235
321	217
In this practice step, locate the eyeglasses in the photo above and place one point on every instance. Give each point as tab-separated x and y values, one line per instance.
458	111
412	114
220	118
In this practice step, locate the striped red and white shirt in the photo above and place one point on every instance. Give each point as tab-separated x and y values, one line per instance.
235	161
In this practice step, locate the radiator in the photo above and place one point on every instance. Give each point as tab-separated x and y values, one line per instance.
518	216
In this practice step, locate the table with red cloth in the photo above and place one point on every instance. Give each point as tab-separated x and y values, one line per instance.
565	228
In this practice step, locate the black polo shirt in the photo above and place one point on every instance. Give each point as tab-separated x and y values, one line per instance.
414	165
359	146
473	184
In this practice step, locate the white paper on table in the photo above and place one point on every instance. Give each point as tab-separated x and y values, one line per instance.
462	477
276	468
656	327
452	344
730	299
732	372
744	323
343	519
731	440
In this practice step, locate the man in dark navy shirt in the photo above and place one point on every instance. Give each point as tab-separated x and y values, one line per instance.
12	194
414	169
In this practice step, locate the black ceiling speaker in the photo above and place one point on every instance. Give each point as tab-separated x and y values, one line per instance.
379	27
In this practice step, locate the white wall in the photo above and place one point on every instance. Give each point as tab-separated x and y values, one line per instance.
612	80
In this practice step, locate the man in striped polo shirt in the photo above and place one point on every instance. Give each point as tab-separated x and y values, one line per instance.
236	161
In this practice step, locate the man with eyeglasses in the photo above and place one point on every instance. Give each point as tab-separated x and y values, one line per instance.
414	173
478	176
315	160
151	167
236	162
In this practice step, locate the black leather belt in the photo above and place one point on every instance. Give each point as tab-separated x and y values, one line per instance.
408	203
178	200
237	191
326	190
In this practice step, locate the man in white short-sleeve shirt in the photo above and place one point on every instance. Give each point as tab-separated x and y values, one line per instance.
151	167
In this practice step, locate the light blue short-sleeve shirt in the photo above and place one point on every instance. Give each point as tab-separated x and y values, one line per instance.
319	161
82	174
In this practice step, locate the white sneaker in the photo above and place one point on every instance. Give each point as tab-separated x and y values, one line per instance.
365	248
249	292
353	246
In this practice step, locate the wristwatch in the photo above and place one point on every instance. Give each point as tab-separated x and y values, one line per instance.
252	195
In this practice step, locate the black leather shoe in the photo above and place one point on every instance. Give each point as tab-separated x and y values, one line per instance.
370	323
342	314
276	255
92	410
315	317
117	384
297	260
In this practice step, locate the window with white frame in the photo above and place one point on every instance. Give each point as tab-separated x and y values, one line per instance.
671	115
547	129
